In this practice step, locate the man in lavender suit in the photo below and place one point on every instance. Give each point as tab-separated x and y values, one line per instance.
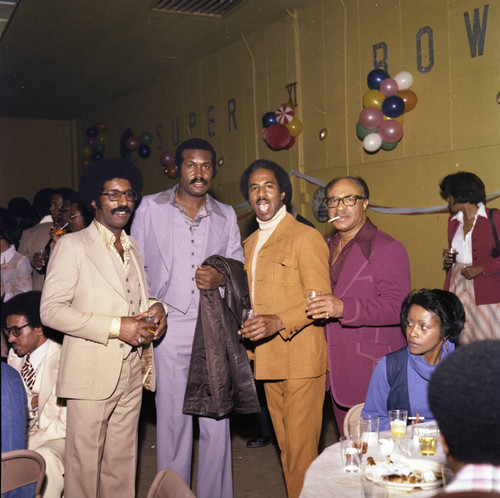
176	230
370	277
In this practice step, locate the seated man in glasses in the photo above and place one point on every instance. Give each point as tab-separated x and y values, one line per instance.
36	358
370	277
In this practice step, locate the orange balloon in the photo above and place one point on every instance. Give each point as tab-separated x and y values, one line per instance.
87	151
373	98
171	171
294	127
399	118
409	98
101	138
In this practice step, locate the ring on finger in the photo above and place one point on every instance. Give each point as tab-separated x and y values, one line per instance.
139	340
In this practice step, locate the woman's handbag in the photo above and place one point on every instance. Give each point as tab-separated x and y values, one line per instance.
496	250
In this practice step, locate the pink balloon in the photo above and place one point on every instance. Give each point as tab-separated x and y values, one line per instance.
391	131
167	158
371	117
389	87
91	142
132	143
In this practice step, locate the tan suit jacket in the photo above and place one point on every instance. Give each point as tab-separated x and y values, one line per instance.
82	293
292	260
32	240
51	411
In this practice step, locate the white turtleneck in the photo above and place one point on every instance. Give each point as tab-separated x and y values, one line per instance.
266	229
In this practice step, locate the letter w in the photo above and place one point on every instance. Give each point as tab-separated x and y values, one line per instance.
477	34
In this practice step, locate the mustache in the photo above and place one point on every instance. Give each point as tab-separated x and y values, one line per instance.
123	209
261	199
199	179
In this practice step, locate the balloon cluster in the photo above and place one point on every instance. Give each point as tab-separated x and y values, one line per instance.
141	145
168	160
95	144
281	127
380	122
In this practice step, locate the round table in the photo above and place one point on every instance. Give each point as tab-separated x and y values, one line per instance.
325	476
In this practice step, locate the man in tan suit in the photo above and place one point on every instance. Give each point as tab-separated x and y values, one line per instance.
96	294
283	259
36	358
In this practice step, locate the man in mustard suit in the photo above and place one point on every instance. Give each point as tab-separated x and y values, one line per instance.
46	413
95	293
283	259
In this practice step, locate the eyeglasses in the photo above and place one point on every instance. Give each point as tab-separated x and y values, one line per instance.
116	195
15	331
71	216
348	200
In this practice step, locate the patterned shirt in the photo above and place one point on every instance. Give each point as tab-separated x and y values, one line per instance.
476	477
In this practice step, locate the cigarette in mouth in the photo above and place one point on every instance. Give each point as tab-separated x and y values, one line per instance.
333	219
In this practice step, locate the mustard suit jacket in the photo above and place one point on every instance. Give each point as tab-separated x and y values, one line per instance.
293	259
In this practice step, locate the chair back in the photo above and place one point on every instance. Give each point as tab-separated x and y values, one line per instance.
352	415
169	484
20	468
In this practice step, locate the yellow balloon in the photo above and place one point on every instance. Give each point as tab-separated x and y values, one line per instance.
400	118
294	127
373	98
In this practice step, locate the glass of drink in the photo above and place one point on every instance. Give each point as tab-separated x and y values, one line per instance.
247	313
309	294
357	431
427	440
351	456
398	420
151	319
372	430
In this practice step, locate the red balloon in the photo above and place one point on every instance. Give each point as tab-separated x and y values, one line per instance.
389	87
91	142
291	143
371	117
167	158
276	136
102	126
391	131
85	162
132	143
171	171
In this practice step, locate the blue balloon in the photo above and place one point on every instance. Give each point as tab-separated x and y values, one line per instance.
376	77
393	106
268	119
97	156
144	151
92	131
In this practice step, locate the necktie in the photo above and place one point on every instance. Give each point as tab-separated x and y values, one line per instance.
28	373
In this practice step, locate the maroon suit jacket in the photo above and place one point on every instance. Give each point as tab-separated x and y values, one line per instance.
373	287
486	285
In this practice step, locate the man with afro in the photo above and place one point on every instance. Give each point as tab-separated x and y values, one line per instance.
464	396
96	294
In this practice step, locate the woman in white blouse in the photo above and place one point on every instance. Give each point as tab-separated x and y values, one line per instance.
473	271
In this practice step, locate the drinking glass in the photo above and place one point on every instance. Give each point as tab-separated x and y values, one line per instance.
372	430
398	420
357	430
351	456
151	319
309	294
427	440
246	314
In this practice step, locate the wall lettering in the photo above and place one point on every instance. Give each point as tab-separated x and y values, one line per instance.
231	114
292	93
380	63
426	30
192	122
477	32
175	131
210	121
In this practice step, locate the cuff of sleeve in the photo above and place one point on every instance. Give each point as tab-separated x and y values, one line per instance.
153	300
115	327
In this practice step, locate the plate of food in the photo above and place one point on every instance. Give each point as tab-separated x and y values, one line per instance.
404	473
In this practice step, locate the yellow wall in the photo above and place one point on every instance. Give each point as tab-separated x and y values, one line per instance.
327	48
35	154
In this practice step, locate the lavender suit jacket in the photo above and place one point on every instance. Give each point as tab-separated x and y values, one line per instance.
153	229
373	290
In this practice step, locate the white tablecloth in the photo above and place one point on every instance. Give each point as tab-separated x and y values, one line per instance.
326	478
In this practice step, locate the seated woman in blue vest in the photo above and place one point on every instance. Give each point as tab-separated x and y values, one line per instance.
432	320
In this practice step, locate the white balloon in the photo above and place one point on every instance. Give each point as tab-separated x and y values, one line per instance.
372	142
404	79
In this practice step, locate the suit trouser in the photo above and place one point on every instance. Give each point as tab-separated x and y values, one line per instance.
101	439
53	454
174	430
296	407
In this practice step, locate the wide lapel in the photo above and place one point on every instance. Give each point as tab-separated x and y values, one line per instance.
283	230
49	375
134	260
100	257
161	213
215	229
356	264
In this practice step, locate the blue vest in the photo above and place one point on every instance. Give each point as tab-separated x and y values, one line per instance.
397	377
